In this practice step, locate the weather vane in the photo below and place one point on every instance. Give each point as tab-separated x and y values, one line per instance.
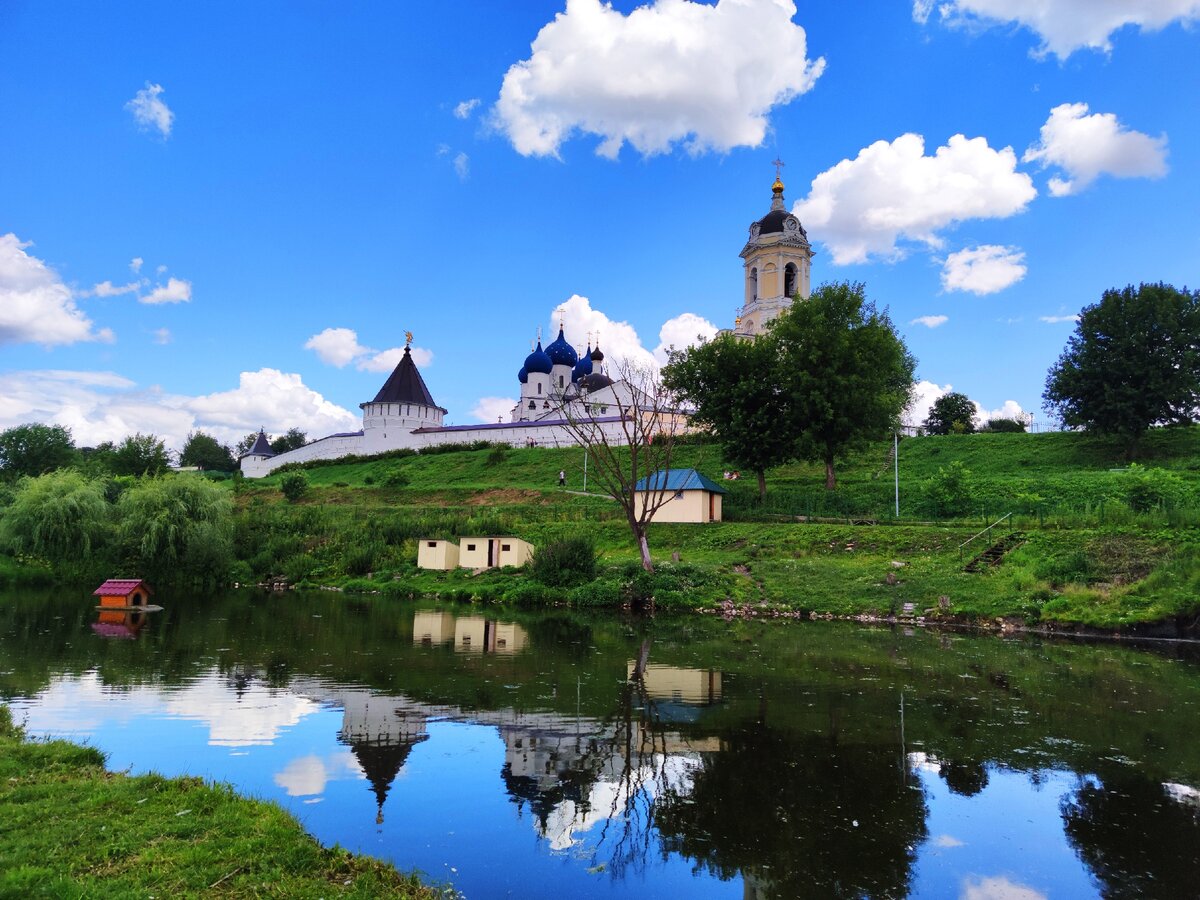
407	338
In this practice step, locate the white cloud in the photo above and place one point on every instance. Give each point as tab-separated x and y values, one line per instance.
340	346
681	332
930	321
670	71
108	289
162	336
161	270
150	111
892	192
1063	25
464	109
997	887
336	346
1009	409
306	776
925	394
35	306
135	264
462	166
1054	320
947	841
176	290
104	406
982	270
619	340
491	409
1086	147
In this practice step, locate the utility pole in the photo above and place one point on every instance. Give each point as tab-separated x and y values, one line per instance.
896	462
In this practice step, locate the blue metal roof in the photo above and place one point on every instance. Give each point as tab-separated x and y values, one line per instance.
678	480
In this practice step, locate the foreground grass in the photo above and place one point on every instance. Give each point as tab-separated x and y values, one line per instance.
69	828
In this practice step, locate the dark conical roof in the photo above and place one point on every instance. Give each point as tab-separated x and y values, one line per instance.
262	447
381	763
405	384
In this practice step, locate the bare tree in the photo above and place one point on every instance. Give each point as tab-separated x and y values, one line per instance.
634	443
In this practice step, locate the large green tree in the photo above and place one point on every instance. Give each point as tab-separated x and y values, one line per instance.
732	388
845	371
951	413
293	439
34	449
139	454
1132	362
206	452
61	517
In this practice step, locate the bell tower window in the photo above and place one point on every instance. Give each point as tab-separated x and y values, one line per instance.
789	280
753	284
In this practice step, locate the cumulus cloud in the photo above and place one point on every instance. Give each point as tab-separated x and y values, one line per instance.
340	347
135	264
162	336
670	71
893	191
1054	320
997	887
491	409
462	166
105	406
985	269
1086	147
306	776
35	306
930	321
176	290
620	340
108	289
464	109
947	841
926	393
1064	26
150	111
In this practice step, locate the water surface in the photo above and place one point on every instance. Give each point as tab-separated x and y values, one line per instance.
514	755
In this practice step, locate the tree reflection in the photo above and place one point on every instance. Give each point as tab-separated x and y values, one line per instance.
1139	837
799	816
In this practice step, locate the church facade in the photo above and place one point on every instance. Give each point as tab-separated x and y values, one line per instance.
558	384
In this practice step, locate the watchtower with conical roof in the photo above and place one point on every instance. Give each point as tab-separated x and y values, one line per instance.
402	405
778	264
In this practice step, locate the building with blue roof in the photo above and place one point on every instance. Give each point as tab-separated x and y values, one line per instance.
680	495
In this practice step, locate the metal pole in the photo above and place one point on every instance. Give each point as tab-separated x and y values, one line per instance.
896	460
585	470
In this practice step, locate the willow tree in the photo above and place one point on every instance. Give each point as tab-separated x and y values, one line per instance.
844	370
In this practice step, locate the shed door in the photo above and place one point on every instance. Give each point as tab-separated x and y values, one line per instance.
492	553
712	507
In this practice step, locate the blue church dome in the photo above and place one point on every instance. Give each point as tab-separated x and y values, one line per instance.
538	361
522	375
584	366
560	352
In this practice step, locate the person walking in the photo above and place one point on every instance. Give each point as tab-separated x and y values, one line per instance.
562	478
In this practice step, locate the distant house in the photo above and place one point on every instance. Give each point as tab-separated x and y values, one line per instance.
122	593
493	552
689	496
440	555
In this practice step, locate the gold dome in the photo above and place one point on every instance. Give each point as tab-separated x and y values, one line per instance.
777	187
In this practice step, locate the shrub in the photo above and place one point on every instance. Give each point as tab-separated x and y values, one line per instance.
951	490
395	479
1010	426
497	455
294	485
565	563
1146	489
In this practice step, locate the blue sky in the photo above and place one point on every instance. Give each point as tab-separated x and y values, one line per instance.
304	182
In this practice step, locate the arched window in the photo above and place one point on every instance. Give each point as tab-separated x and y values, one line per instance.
539	387
754	283
789	280
532	404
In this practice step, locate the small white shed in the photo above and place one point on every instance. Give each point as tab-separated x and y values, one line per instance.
440	555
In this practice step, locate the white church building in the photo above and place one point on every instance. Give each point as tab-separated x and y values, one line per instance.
558	384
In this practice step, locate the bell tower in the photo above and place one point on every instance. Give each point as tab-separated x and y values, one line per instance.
778	264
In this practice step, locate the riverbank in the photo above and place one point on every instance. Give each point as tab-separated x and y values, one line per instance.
72	828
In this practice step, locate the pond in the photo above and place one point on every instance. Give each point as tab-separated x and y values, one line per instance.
519	754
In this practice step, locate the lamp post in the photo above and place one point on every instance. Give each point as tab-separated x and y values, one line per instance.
896	463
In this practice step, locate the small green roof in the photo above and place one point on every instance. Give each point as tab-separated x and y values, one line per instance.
678	480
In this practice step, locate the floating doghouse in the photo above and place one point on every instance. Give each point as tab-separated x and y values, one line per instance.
124	593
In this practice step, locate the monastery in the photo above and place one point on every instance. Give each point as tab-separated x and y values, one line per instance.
558	384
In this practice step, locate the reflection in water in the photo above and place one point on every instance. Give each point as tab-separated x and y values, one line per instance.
668	759
119	623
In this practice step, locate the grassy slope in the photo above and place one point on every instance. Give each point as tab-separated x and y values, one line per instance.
68	828
1089	560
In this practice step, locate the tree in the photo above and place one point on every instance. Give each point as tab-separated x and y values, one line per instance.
178	527
33	449
292	440
846	373
732	389
1132	362
139	454
205	452
61	517
294	485
634	444
951	413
